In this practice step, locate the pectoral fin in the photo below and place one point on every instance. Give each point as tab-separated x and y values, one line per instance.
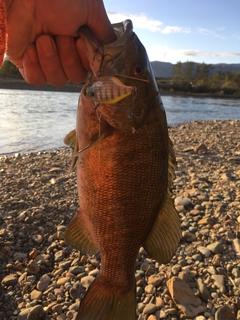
70	138
77	236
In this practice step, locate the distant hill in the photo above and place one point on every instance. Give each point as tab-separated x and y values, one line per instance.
165	69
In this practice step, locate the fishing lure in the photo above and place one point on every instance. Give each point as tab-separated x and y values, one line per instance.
108	90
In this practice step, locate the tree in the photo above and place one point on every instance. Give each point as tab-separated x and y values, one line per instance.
188	70
178	71
9	70
203	71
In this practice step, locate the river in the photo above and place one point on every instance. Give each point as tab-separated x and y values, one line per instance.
33	121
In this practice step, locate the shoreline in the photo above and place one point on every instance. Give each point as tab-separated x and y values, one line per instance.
40	274
20	84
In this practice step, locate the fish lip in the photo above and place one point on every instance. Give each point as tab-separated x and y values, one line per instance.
97	54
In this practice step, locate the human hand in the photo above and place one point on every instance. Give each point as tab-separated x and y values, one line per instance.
42	38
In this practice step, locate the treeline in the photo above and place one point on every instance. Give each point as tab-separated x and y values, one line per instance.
189	77
10	70
193	77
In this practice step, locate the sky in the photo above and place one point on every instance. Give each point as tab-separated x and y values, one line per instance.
183	30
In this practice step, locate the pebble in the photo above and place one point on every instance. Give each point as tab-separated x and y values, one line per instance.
43	277
87	281
225	313
204	251
150	308
10	280
219	282
179	201
43	283
215	247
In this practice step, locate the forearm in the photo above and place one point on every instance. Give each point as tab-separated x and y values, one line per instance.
3	31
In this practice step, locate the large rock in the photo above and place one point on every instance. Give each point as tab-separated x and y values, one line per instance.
186	301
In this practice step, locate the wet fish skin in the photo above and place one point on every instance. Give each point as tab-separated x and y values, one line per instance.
124	181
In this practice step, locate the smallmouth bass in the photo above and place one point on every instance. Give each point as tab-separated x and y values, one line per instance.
125	168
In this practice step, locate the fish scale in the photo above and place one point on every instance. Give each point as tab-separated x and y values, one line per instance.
124	180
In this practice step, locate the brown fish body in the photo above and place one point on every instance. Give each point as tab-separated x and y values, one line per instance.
123	187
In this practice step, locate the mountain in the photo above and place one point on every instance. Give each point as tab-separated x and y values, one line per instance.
165	69
162	69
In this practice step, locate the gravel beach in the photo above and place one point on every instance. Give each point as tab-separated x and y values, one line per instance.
41	277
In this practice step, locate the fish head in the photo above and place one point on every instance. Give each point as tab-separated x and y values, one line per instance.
126	59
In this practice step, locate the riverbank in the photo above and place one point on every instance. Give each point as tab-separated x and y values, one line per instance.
41	275
19	84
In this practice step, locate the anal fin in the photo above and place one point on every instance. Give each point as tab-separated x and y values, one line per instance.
77	237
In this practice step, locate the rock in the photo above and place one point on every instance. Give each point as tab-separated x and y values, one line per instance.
225	313
204	251
188	236
35	295
159	303
59	256
10	280
33	267
203	221
36	313
236	272
87	281
179	201
204	292
57	308
219	280
155	280
19	256
23	315
236	247
200	318
152	317
201	148
150	308
62	281
43	282
37	238
183	297
215	247
150	289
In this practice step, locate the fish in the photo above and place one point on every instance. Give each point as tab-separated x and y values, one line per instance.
125	169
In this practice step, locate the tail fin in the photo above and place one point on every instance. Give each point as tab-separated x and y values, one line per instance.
104	301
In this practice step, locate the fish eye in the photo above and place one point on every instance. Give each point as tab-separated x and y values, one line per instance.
138	70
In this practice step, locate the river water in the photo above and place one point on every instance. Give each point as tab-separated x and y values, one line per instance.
39	120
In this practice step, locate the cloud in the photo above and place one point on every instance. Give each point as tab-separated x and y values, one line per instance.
199	53
237	36
207	32
142	21
167	54
169	29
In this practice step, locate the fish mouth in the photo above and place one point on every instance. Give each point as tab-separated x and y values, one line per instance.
107	56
